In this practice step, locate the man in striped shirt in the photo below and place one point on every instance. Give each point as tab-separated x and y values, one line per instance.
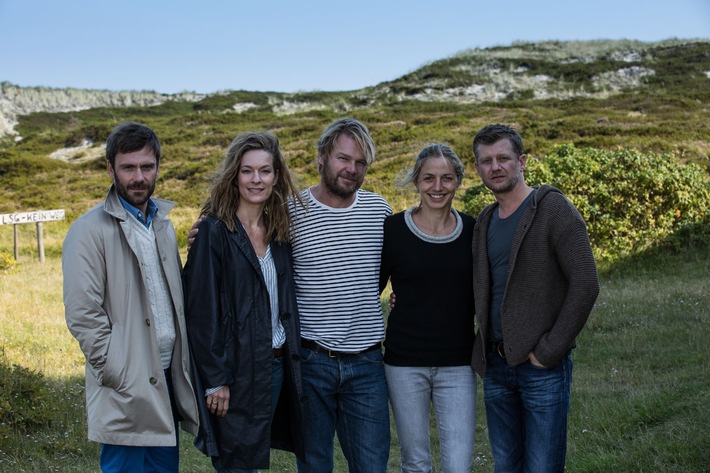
337	243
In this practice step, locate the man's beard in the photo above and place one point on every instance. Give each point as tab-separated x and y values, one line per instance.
124	192
331	183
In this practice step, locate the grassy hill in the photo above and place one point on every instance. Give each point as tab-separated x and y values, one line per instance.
604	94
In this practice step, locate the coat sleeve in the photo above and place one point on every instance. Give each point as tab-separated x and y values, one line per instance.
574	255
206	316
84	270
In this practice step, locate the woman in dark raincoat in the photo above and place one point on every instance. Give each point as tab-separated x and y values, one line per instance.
241	312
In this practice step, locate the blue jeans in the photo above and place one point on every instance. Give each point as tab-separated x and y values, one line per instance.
349	395
526	410
452	391
124	458
277	380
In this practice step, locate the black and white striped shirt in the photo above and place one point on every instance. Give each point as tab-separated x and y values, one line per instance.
336	261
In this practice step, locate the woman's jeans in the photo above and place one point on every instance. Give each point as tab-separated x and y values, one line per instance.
452	392
526	410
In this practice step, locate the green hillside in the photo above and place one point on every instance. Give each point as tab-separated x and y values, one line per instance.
652	97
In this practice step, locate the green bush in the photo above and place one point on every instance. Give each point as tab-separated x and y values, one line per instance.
25	400
631	201
7	262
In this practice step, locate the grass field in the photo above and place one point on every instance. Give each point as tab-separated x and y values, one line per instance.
640	393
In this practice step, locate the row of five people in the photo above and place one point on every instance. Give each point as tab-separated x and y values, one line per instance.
282	308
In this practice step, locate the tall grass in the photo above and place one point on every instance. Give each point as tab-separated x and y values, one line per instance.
640	390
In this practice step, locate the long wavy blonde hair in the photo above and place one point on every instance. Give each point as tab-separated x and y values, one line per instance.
223	199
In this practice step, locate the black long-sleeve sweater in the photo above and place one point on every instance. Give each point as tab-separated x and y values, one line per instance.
432	323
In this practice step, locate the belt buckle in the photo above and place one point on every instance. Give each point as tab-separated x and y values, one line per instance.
331	354
500	349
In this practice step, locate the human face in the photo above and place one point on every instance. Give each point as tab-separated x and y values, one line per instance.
499	168
134	175
256	177
437	183
343	171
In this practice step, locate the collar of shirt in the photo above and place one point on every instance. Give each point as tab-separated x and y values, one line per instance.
151	210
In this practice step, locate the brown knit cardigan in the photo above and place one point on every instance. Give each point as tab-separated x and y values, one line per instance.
552	281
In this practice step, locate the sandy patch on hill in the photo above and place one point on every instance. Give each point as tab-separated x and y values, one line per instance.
86	151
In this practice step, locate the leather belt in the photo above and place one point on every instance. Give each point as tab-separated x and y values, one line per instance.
498	347
278	352
313	346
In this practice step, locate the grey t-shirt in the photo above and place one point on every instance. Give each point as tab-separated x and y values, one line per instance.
500	240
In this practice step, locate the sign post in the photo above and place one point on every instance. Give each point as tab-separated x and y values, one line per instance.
38	216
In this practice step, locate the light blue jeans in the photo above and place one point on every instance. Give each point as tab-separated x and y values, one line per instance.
452	391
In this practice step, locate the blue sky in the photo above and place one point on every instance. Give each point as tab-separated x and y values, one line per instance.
289	45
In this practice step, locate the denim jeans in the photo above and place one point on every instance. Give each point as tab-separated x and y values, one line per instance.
526	410
121	458
346	394
277	379
452	391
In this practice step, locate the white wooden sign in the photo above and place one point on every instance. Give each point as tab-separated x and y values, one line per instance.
31	217
38	216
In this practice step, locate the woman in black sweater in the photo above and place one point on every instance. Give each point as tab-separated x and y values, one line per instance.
428	259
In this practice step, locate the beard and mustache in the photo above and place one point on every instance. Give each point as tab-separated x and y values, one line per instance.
135	200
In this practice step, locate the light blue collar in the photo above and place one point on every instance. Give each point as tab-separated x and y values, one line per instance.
151	210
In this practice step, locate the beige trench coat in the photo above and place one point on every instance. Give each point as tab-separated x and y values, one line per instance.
108	312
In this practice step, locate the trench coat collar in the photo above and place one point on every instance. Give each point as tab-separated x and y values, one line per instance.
113	206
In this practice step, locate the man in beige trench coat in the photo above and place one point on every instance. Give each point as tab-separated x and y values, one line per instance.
124	304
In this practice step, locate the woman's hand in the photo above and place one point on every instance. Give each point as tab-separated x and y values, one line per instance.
218	401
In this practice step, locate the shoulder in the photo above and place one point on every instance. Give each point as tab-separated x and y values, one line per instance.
466	219
211	232
372	199
93	220
551	201
399	216
394	220
486	213
212	222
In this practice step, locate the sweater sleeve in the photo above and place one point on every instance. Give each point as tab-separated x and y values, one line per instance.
574	255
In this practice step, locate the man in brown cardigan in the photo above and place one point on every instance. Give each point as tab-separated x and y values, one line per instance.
535	283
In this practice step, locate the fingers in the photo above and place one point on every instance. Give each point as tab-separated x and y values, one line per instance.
218	402
193	231
534	361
